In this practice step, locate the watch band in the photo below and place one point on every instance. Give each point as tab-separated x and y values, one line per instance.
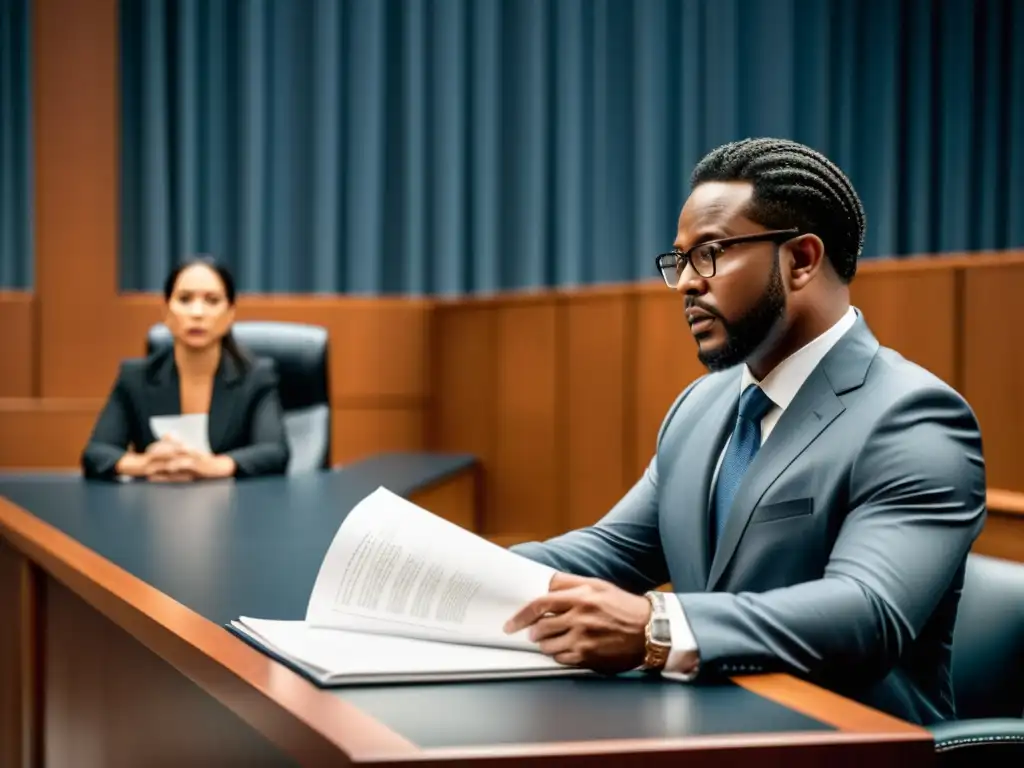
657	634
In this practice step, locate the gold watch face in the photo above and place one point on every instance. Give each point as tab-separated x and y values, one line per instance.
660	631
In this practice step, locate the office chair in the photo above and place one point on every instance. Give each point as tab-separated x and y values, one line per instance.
988	669
300	354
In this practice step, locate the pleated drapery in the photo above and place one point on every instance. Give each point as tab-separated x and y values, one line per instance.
462	146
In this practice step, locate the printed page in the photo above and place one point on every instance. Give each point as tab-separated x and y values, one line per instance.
190	429
335	656
397	569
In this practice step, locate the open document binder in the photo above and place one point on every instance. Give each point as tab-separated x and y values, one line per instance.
404	596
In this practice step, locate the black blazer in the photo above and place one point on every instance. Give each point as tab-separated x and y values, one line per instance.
245	419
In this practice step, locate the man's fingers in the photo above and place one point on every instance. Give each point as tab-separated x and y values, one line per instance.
562	581
552	602
550	626
556	646
569	658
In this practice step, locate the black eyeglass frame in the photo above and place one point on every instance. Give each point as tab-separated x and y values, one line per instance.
678	259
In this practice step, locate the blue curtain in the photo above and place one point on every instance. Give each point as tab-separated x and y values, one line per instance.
16	251
454	146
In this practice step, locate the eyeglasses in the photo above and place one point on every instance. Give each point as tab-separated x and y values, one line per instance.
704	256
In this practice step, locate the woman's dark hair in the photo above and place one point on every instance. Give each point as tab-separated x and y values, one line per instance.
229	344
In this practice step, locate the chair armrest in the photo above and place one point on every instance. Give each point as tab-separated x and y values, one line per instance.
965	742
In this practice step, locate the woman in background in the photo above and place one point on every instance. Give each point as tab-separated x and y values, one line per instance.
204	372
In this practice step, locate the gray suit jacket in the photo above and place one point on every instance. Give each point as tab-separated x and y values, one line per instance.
843	556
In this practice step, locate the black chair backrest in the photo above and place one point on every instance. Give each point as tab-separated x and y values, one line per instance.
299	352
988	643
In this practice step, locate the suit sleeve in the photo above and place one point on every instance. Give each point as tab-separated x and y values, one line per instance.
624	547
110	434
917	503
267	452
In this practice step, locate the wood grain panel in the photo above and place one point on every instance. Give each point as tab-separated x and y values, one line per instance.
526	485
1002	536
18	347
381	348
45	433
455	498
110	702
360	432
17	729
464	382
599	378
666	362
994	367
915	312
74	69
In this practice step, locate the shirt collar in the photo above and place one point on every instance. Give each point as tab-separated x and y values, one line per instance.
785	380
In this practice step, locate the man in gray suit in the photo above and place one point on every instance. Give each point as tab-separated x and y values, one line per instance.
812	499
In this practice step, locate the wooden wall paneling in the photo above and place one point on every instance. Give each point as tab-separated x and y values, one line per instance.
379	348
45	433
913	307
18	347
1002	536
360	432
464	369
994	367
597	380
666	362
455	498
527	480
75	96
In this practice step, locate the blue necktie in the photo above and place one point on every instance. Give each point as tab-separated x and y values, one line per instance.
745	442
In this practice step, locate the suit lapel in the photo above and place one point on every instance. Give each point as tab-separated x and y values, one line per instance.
812	410
691	484
816	405
222	403
163	396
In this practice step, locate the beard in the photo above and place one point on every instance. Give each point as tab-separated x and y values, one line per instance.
745	336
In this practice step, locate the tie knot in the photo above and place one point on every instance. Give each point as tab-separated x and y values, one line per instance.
754	403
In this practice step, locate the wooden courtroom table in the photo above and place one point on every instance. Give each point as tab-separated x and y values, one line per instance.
113	651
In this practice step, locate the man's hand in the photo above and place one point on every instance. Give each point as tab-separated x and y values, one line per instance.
587	623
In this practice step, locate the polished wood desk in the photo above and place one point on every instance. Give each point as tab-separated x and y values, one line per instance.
117	654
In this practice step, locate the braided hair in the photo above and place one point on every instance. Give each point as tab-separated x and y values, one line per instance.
794	186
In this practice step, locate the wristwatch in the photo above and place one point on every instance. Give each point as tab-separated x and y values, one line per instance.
657	634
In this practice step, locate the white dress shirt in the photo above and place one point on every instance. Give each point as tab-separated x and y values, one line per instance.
781	386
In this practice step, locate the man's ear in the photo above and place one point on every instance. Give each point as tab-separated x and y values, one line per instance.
806	256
